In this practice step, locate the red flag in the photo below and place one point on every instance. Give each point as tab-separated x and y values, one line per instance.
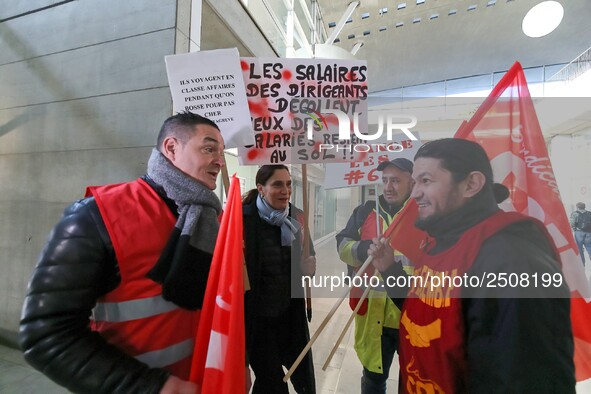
507	127
218	357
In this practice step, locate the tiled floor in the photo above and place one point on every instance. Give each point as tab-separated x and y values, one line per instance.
343	374
341	377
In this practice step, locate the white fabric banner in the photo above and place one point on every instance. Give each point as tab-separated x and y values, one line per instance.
364	172
292	104
209	83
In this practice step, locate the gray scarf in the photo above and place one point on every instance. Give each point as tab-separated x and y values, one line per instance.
197	225
288	226
198	206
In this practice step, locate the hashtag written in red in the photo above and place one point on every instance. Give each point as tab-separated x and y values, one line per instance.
353	177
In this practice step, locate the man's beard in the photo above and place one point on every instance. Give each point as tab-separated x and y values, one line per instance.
426	223
422	224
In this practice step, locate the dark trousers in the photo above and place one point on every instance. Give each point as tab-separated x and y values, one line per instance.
375	383
272	349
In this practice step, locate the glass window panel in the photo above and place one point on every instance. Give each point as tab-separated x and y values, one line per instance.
534	75
469	84
435	89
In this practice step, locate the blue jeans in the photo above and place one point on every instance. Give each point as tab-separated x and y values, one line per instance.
375	383
583	239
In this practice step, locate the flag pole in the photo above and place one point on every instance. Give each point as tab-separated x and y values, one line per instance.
225	176
226	182
346	328
378	227
365	292
306	235
327	319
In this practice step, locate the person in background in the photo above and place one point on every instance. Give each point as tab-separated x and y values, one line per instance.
275	312
508	334
580	222
377	320
113	303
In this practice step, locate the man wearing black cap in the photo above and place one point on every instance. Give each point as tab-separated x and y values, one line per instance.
376	324
499	329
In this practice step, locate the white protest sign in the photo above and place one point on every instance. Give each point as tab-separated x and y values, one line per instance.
209	83
364	171
289	100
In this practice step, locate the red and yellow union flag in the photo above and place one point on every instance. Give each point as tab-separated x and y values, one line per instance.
507	127
218	358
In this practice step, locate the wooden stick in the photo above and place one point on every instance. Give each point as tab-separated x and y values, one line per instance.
306	235
378	224
325	321
226	182
346	328
225	177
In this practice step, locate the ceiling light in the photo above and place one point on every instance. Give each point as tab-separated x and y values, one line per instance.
542	19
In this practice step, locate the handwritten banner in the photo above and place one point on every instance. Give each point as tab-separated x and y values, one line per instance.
364	172
209	83
288	99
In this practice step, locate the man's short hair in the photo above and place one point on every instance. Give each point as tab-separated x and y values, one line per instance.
461	157
458	156
182	126
580	205
401	163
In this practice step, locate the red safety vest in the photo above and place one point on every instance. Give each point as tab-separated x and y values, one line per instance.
432	330
134	316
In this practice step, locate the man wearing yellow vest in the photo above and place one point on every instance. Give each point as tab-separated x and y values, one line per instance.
113	303
377	321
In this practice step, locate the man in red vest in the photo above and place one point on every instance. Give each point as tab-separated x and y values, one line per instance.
113	303
478	317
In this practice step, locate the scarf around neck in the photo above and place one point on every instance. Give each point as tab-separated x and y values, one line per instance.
289	226
197	226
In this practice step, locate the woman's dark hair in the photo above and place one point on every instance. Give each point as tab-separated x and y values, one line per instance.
263	175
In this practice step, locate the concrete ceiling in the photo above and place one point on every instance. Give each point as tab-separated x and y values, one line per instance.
441	40
482	36
459	38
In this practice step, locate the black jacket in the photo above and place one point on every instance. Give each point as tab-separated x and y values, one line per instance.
299	333
518	339
75	268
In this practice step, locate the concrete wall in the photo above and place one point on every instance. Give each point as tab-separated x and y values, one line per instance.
83	91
